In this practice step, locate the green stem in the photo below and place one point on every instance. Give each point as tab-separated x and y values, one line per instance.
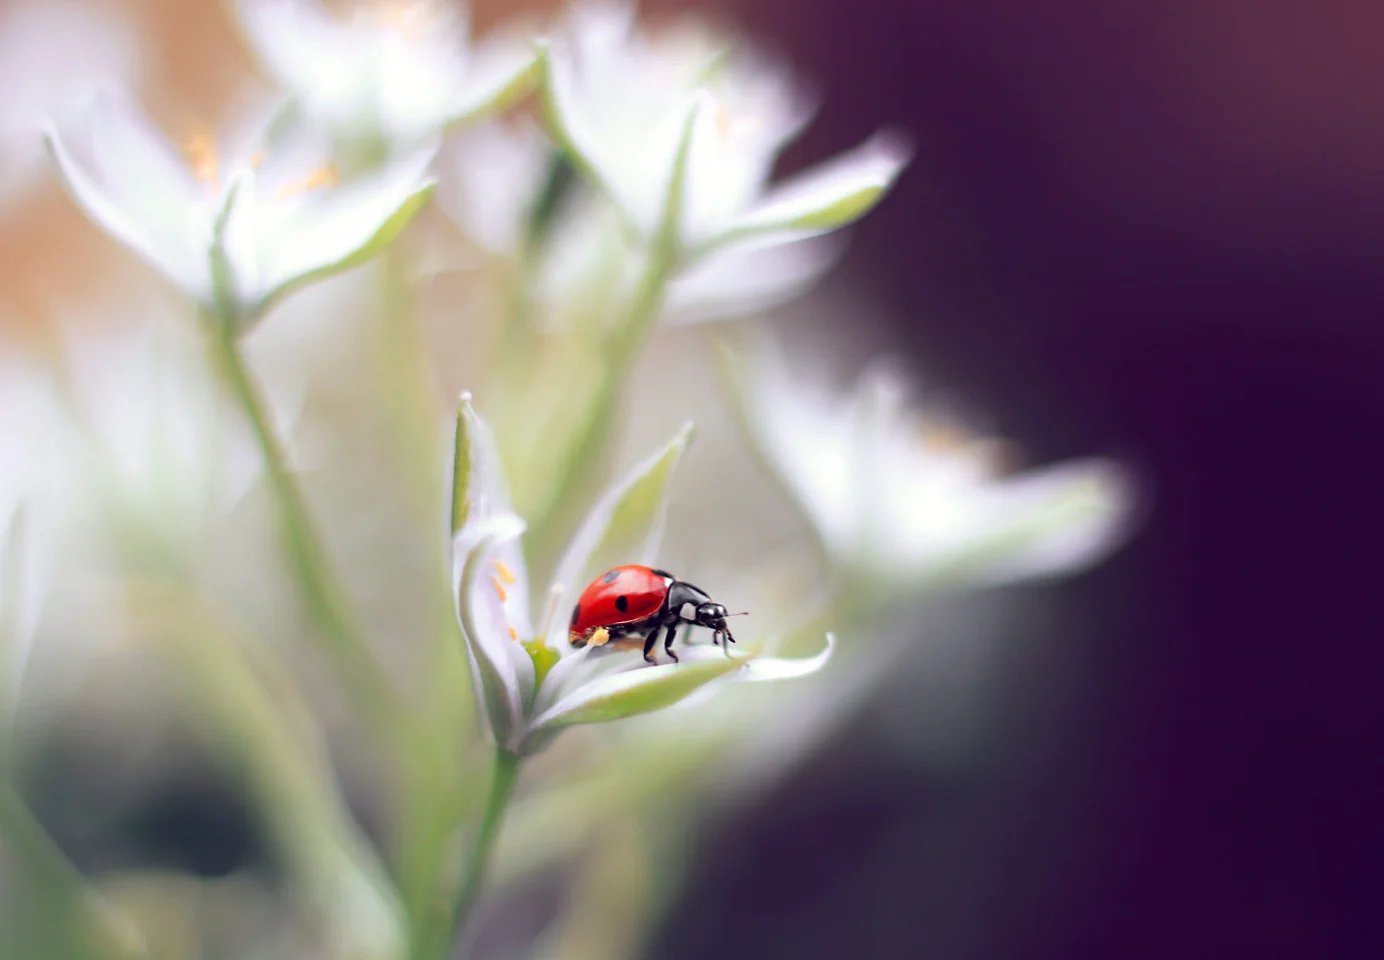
502	780
326	601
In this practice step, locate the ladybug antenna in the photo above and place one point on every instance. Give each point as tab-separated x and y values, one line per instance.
742	613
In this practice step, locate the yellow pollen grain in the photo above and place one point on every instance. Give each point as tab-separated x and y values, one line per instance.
323	176
600	637
200	151
499	588
513	634
506	574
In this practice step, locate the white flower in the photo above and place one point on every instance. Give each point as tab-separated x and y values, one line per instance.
234	231
39	45
530	681
496	176
394	72
901	501
683	135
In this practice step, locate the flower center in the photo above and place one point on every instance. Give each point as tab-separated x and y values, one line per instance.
202	158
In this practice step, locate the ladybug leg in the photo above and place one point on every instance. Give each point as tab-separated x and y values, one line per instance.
668	643
649	642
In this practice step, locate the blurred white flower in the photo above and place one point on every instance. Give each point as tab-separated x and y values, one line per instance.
30	486
393	72
683	134
899	500
531	682
151	431
234	231
54	55
497	179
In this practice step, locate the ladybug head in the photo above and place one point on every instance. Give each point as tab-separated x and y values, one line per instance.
714	615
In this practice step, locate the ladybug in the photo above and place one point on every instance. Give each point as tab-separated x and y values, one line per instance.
638	601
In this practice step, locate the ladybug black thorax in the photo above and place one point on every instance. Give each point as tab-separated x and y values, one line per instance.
680	594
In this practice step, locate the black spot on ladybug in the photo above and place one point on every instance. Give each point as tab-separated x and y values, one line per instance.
611	577
576	614
622	603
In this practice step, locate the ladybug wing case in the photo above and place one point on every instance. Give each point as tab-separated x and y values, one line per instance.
622	596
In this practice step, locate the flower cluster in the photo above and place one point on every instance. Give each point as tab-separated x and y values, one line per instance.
604	180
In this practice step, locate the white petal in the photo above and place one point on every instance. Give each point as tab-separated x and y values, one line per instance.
745	278
499	70
39	44
149	210
501	669
755	109
827	196
766	668
330	230
621	110
1040	523
614	696
494	172
304	49
624	526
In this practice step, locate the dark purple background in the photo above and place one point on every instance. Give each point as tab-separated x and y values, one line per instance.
1154	230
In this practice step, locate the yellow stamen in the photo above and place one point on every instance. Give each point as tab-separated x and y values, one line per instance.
499	588
506	574
200	150
323	176
513	634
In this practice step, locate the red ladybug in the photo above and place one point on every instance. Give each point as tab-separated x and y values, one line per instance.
638	601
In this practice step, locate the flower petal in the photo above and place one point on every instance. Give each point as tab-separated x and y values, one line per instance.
342	226
827	196
501	670
614	696
488	570
766	668
168	243
625	525
1040	523
745	278
500	71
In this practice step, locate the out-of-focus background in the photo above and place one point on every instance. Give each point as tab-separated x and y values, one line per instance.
1154	231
